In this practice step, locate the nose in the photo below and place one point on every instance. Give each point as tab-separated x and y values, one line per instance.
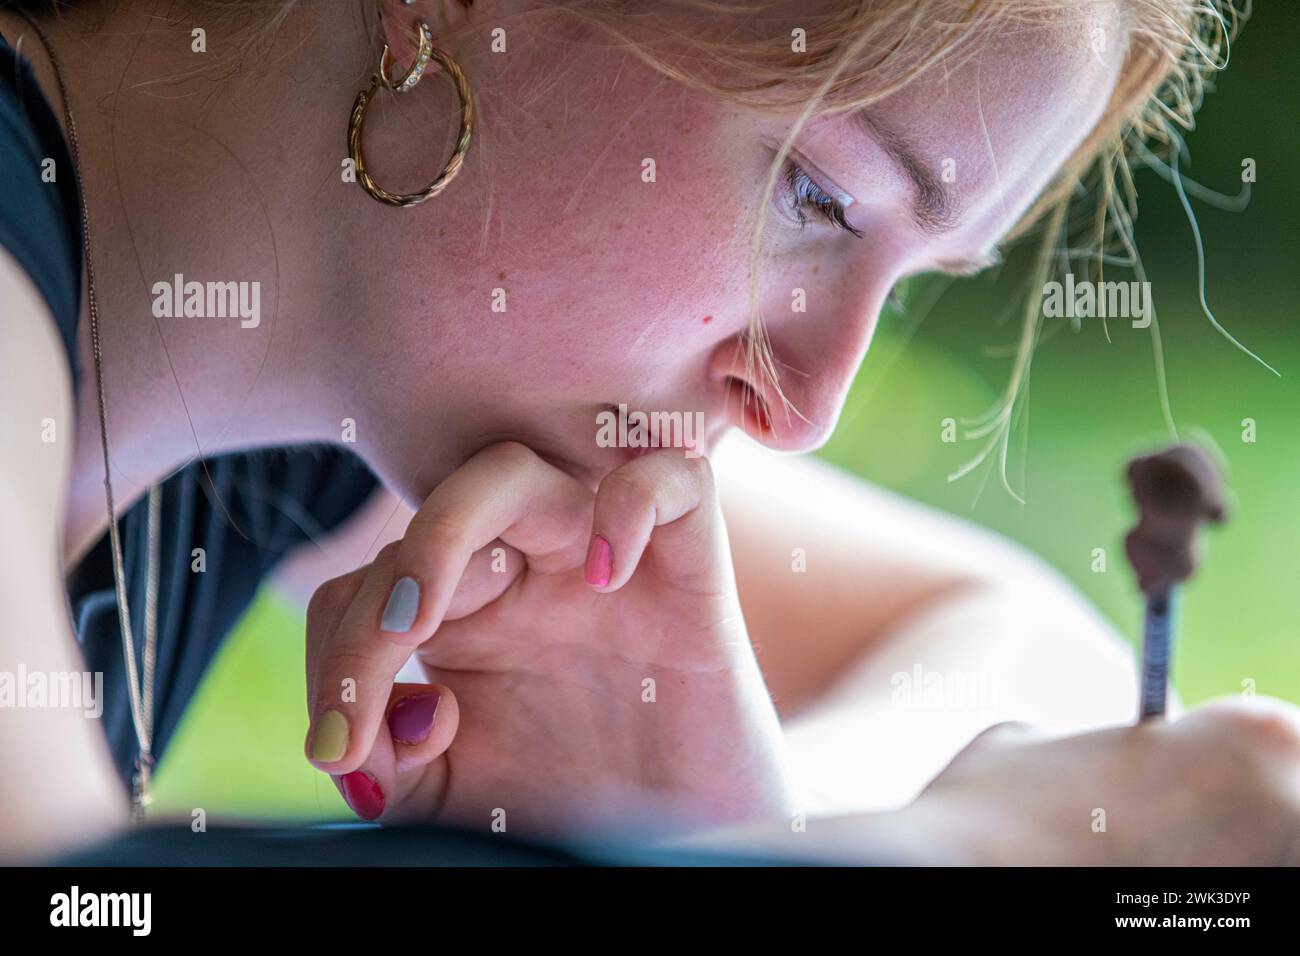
787	389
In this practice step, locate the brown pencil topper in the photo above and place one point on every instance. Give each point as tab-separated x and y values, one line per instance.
1175	491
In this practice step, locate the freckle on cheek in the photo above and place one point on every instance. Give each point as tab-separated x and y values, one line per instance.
708	319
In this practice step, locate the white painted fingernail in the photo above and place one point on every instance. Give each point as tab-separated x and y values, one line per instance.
403	604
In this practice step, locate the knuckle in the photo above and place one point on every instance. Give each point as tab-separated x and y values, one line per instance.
438	530
328	599
626	491
1261	721
388	553
699	465
1261	729
702	473
511	454
318	606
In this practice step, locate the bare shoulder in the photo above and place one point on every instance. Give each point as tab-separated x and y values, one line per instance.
81	799
36	405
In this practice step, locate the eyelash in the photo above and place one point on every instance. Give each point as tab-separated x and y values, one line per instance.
802	193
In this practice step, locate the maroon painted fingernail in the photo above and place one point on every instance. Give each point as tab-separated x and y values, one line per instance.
411	718
363	794
600	562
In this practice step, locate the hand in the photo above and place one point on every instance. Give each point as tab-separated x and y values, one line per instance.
630	698
1218	787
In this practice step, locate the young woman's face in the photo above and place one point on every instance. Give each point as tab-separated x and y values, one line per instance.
615	209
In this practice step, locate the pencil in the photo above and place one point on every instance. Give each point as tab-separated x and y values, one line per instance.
1157	654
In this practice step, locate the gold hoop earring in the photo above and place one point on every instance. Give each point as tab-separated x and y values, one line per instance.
383	77
418	65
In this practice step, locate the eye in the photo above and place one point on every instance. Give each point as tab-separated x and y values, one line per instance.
802	196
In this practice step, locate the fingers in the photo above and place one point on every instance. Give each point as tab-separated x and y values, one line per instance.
505	491
348	686
672	497
324	611
503	507
421	723
490	571
350	669
505	504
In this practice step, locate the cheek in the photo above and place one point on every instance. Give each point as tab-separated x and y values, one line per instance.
639	242
674	254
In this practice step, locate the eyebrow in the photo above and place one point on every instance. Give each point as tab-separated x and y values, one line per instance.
934	207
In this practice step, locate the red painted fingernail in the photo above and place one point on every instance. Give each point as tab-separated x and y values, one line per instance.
411	718
600	562
363	794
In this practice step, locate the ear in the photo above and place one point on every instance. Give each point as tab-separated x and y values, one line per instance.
399	22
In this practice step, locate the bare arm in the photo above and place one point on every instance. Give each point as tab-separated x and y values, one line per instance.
59	787
1018	797
890	584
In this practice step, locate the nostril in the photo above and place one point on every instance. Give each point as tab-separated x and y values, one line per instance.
755	414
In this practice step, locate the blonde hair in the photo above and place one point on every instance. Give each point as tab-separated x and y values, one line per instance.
858	53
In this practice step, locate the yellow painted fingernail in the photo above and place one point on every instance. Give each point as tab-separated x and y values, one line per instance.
329	739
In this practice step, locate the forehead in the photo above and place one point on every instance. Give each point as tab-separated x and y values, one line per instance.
999	115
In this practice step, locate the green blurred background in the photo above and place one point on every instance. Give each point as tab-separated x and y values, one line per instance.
1091	405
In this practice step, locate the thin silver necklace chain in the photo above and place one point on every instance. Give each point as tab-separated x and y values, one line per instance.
141	691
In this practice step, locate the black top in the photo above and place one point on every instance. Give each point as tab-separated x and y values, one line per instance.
245	510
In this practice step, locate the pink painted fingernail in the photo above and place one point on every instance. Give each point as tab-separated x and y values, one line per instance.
363	794
411	718
600	562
